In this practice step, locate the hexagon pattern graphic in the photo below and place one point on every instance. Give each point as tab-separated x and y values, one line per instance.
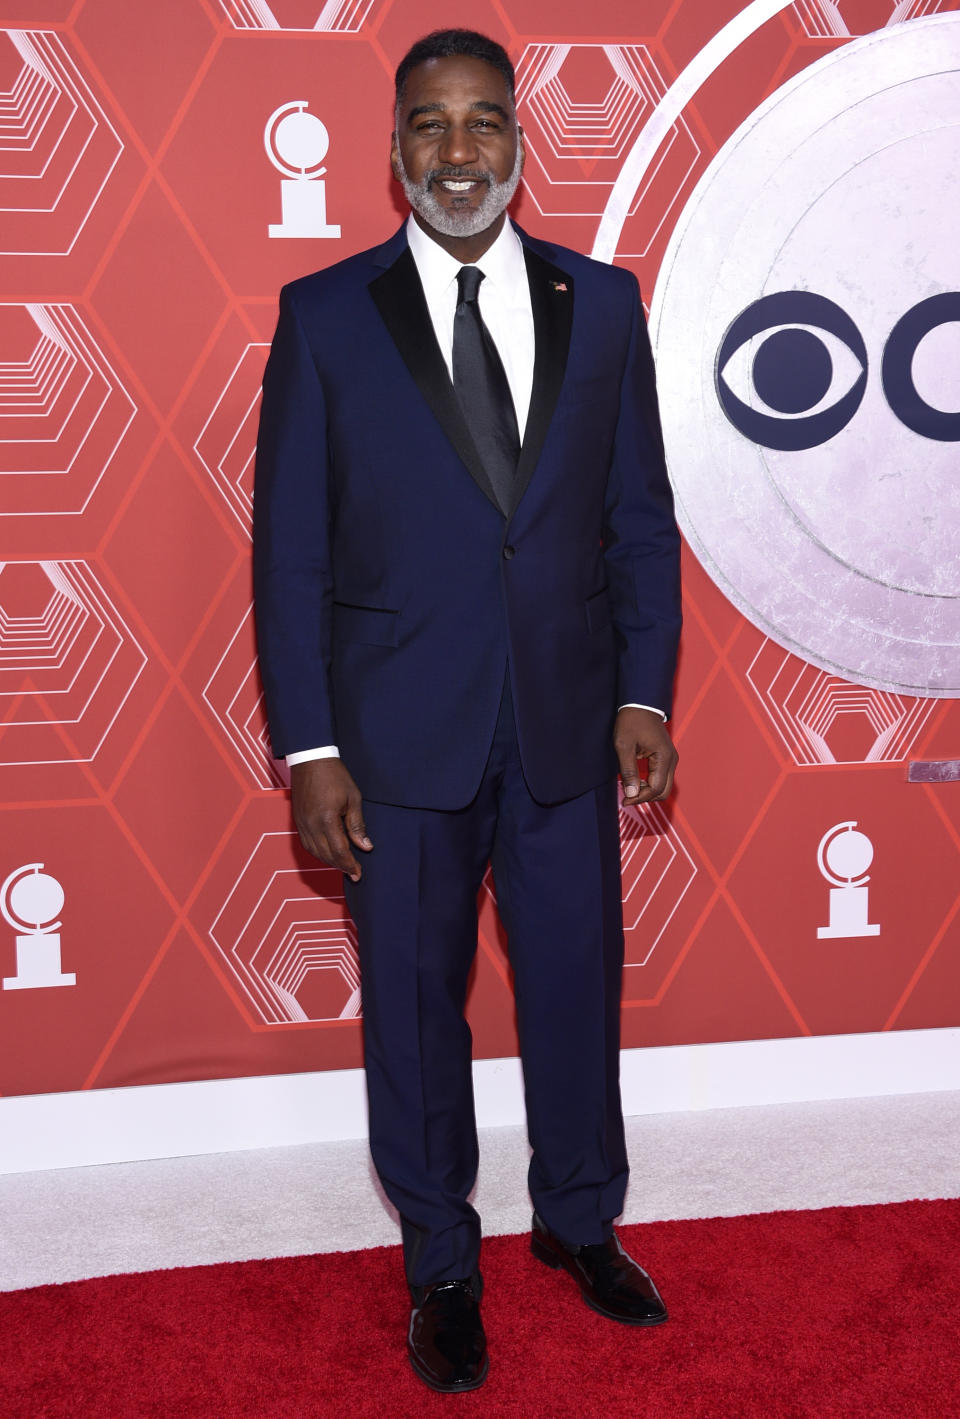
915	9
582	107
821	19
235	696
227	443
292	951
57	147
68	663
137	301
837	19
63	410
658	871
337	16
811	709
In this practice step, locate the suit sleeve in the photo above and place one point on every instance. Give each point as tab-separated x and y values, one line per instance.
641	540
291	541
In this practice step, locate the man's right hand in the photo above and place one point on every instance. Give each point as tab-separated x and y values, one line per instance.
328	812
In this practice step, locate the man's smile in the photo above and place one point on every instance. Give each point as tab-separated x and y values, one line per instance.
460	184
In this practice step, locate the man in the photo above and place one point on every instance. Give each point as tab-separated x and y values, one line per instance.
466	561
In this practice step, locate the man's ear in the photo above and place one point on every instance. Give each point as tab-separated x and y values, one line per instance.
523	147
394	155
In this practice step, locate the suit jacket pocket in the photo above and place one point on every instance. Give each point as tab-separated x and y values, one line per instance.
598	610
365	625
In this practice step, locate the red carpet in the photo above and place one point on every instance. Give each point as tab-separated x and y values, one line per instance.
846	1313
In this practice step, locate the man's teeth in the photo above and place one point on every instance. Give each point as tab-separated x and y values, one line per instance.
451	186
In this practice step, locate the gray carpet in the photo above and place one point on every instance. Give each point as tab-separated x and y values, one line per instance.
68	1224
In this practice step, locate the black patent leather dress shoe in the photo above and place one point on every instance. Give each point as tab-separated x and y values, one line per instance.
610	1281
446	1343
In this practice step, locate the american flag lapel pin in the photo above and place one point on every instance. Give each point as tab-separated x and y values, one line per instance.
559	285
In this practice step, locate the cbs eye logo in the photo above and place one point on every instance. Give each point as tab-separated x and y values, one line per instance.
806	376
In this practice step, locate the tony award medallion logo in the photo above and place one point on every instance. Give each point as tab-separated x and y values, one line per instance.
296	143
843	858
30	900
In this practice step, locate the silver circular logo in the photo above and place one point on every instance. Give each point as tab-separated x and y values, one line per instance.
806	322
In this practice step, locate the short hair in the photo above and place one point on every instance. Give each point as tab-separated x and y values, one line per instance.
454	44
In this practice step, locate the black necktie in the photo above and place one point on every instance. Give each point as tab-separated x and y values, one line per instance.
483	391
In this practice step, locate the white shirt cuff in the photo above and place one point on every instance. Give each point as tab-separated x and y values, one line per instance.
652	708
303	756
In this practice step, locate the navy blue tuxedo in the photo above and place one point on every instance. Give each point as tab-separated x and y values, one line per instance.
391	589
468	662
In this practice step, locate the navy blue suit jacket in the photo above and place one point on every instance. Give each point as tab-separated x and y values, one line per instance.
392	590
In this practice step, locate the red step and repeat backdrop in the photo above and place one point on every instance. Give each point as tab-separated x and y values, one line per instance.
781	178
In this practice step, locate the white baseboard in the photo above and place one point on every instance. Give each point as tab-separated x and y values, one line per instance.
222	1115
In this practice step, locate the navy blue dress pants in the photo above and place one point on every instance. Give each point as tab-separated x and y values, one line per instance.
557	875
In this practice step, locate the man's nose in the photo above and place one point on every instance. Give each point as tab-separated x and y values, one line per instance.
459	147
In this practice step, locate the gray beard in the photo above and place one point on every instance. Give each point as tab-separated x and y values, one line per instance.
468	223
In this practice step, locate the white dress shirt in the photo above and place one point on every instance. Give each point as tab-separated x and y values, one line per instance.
504	299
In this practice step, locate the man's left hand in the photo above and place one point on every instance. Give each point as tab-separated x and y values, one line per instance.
641	734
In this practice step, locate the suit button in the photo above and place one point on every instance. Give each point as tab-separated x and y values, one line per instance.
509	553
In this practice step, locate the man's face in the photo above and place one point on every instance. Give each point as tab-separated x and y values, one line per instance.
457	151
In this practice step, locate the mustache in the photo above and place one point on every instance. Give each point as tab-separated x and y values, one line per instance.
457	175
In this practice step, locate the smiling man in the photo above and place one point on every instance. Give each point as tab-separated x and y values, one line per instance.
468	609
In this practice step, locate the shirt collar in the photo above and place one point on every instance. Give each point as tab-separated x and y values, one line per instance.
502	264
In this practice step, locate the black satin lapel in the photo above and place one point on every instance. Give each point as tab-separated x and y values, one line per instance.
399	298
551	296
